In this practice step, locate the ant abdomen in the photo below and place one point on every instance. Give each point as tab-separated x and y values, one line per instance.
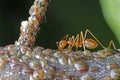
90	43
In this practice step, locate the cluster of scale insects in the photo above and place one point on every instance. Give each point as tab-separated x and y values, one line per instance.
81	40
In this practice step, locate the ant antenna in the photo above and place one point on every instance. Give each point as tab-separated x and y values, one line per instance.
65	37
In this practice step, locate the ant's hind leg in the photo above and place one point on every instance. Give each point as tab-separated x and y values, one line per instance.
88	31
111	43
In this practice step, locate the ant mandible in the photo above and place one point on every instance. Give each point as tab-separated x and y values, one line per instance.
81	41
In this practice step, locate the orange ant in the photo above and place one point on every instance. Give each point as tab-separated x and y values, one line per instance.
80	41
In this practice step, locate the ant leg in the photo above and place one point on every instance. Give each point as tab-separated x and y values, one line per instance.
70	48
111	43
88	31
77	41
57	44
82	40
71	43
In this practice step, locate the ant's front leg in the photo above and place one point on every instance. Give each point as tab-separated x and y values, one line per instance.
71	43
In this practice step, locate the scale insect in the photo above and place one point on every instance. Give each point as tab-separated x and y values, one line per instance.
81	40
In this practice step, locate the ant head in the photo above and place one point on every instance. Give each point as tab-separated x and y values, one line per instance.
61	45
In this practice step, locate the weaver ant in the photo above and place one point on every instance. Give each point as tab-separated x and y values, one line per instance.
81	41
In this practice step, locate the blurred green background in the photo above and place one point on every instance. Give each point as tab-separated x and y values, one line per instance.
63	17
